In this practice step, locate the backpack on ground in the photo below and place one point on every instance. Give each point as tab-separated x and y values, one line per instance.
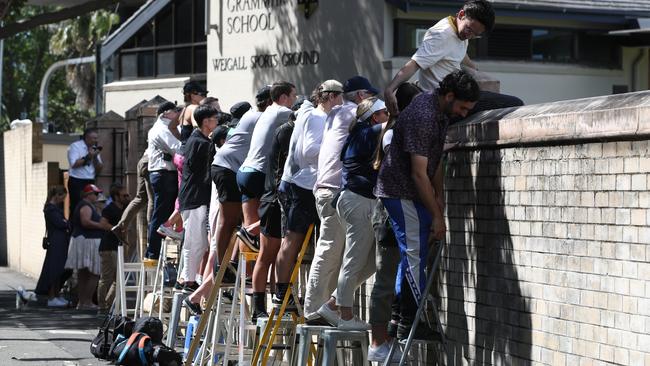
151	326
111	328
137	350
165	356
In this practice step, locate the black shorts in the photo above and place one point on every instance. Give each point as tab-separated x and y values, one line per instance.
226	182
302	209
270	216
251	184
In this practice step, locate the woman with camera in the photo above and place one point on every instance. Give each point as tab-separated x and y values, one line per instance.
53	274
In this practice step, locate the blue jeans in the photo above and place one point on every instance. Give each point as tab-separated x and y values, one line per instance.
165	190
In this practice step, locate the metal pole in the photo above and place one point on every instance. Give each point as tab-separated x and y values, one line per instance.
45	82
2	51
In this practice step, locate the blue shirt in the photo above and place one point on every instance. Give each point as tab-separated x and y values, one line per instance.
357	156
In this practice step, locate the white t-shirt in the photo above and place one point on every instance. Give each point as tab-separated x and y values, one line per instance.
440	54
336	131
309	135
76	151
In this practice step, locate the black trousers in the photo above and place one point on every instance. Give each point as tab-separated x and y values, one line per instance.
75	186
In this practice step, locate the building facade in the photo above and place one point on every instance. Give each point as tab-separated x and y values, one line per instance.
540	50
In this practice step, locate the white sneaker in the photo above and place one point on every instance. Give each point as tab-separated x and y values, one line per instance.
57	303
353	324
330	316
170	233
379	354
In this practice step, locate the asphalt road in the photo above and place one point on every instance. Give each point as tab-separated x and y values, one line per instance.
38	335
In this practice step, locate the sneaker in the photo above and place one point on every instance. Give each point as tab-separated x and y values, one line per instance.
379	354
353	324
189	287
57	303
277	303
331	316
257	314
118	231
227	296
178	286
252	242
423	332
195	309
169	232
392	329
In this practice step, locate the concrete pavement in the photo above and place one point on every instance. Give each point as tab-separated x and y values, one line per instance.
38	335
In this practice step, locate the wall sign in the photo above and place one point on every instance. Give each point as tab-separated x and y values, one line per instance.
266	61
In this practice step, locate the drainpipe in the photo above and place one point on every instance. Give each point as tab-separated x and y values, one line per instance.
43	93
635	64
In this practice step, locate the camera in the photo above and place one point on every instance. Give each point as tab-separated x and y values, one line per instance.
97	147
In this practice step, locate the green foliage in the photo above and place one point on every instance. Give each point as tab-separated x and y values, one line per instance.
27	56
25	60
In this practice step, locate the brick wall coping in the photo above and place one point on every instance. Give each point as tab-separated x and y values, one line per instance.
604	118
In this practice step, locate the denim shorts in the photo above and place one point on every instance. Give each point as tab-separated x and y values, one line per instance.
251	184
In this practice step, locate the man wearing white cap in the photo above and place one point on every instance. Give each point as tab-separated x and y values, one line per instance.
304	148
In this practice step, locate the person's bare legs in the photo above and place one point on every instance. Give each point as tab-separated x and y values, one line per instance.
229	214
87	284
269	248
287	256
251	216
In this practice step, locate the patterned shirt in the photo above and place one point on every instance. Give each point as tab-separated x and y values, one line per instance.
420	129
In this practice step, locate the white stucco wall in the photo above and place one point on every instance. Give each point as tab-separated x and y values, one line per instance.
344	37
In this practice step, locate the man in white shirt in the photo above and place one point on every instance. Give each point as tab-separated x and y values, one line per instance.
85	163
162	174
304	148
444	49
329	182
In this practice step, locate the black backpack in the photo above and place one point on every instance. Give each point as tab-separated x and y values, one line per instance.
112	327
151	326
165	356
137	350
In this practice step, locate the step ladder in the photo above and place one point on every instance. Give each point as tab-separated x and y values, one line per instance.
201	333
276	317
168	252
127	272
421	314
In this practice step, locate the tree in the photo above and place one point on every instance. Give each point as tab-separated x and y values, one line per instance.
28	54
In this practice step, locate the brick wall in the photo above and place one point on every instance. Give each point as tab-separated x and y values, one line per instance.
548	252
25	191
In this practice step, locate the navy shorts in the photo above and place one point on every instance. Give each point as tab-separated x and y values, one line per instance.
251	184
302	209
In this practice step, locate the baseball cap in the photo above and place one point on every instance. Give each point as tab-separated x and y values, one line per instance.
299	101
194	87
219	133
263	93
331	86
91	188
359	83
166	106
238	109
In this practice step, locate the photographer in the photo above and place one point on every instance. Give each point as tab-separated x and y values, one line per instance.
85	164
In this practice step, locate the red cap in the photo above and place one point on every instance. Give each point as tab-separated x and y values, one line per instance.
91	188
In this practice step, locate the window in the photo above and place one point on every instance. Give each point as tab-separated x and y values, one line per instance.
173	43
523	43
